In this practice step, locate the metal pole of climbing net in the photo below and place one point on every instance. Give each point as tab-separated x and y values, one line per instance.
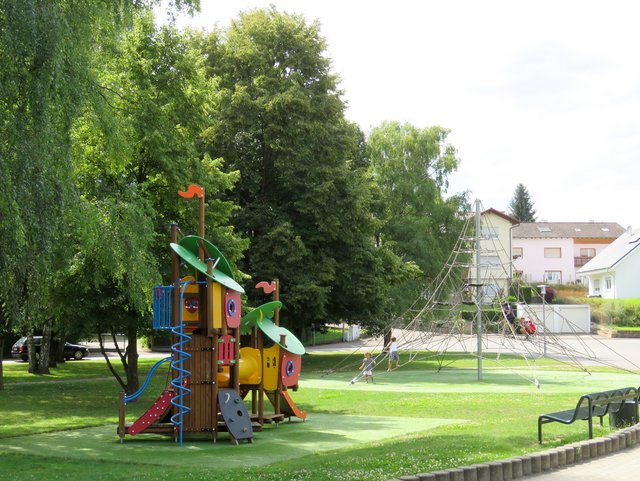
478	292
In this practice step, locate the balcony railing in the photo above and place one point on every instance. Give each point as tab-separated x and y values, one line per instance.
580	261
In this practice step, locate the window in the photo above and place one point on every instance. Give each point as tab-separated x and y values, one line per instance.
490	261
588	252
490	292
608	283
553	277
488	232
516	252
552	253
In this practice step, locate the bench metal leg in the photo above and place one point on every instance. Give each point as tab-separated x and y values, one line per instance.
539	431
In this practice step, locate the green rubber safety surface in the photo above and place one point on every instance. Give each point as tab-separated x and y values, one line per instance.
466	381
289	440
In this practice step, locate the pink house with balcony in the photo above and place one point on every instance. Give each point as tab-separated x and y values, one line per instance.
552	252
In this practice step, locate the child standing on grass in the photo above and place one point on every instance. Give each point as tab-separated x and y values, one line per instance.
367	367
394	355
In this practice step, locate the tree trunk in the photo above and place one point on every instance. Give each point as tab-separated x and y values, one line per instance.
133	382
33	355
57	352
45	350
1	365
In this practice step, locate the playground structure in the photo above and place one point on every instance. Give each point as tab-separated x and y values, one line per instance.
456	314
210	372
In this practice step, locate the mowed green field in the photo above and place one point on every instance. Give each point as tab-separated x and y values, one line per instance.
414	419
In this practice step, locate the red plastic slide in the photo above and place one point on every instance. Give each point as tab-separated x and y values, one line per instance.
153	413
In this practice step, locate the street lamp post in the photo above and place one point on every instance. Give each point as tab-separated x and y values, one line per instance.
543	294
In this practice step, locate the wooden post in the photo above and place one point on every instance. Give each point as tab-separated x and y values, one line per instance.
276	297
283	342
236	356
121	428
214	340
261	386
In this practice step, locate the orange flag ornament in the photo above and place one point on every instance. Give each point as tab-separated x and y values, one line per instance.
191	191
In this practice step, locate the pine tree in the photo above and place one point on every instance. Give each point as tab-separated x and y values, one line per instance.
521	206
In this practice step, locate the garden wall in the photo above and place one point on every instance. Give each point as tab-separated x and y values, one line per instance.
559	318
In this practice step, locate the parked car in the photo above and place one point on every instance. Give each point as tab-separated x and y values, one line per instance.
71	351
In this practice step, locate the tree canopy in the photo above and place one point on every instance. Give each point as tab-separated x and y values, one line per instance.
106	115
304	194
521	205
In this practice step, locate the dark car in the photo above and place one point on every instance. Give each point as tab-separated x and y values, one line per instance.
71	351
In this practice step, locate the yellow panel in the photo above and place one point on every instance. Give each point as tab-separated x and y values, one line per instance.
270	362
224	377
191	297
218	305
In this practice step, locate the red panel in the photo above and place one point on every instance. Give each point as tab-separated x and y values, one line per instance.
290	371
226	349
232	308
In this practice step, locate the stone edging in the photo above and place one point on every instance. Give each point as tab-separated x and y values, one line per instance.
516	468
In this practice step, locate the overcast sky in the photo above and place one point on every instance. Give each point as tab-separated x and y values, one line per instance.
544	93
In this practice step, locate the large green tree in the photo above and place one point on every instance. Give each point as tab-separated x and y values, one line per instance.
410	167
48	51
134	151
304	194
43	60
521	205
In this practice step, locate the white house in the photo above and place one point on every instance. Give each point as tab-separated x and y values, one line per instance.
615	272
550	252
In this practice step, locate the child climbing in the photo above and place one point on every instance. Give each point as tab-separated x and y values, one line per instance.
528	327
367	367
510	316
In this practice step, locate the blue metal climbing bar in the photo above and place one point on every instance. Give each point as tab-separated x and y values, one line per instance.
180	381
162	307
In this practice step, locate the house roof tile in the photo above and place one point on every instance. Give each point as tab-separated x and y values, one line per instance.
567	230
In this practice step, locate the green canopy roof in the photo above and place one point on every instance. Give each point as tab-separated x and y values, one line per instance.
194	261
261	317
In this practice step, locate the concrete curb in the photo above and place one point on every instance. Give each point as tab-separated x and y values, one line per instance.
535	463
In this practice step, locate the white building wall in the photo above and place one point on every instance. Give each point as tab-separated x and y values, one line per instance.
627	277
624	279
533	264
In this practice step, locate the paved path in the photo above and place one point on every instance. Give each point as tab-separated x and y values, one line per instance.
623	465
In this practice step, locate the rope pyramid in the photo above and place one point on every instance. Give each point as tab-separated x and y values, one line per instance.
454	308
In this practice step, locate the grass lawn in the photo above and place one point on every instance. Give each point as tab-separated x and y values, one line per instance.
414	419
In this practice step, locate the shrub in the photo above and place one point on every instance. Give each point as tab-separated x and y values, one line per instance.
615	312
